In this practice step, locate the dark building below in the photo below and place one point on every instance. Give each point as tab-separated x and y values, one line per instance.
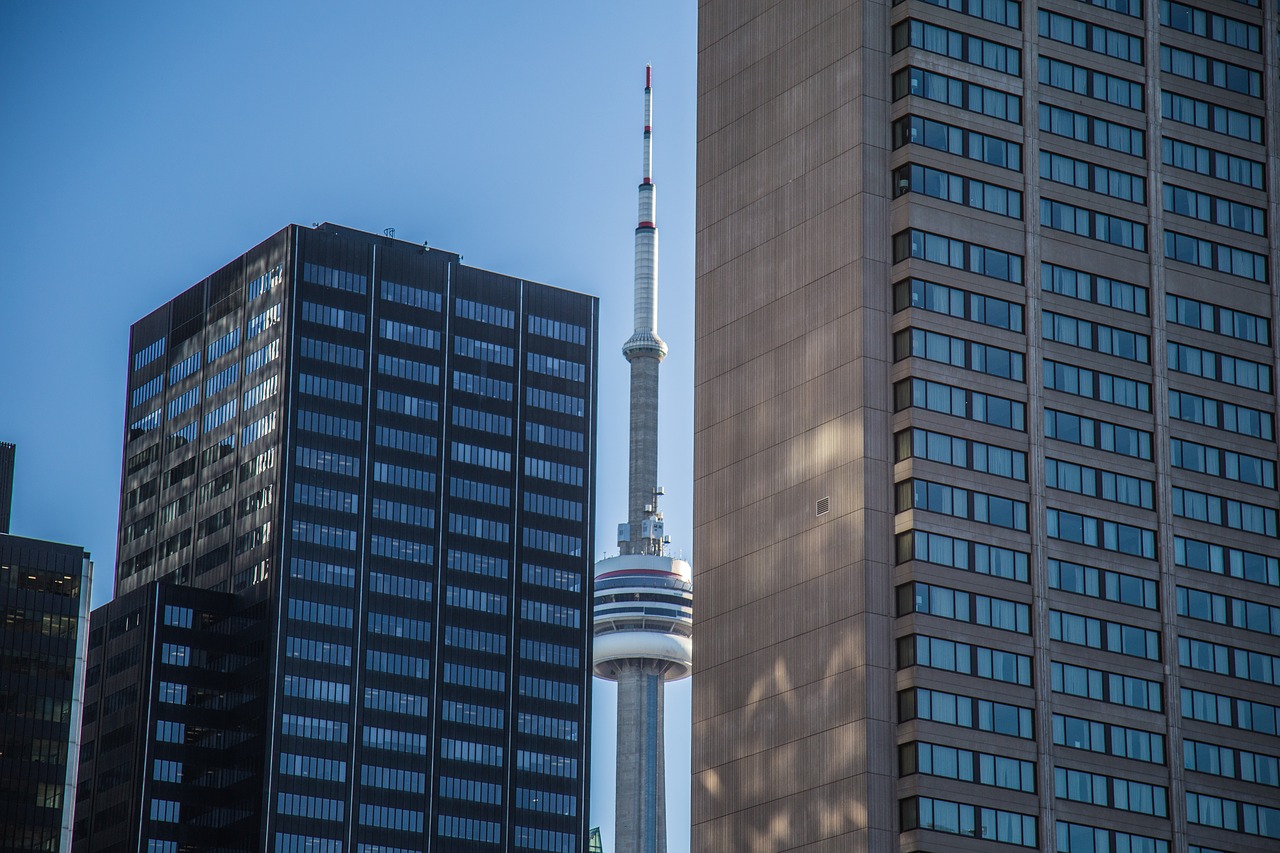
44	599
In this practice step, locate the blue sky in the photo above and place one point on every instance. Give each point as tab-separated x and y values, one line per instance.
146	145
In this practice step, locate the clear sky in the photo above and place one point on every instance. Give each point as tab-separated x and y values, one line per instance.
145	145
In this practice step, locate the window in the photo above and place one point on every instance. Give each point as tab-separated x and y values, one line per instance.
1100	533
1230	711
1214	760
965	712
1224	610
411	296
1226	416
954	302
981	147
1233	815
1093	288
1228	322
960	402
483	313
1088	432
1005	12
1110	791
332	353
558	330
957	254
959	189
337	279
1214	209
965	658
1116	637
1227	464
1109	687
1078	838
1102	583
957	45
1091	37
1224	512
949	762
953	552
1221	560
1098	337
1092	84
963	606
1215	72
1215	164
1092	130
958	352
1108	739
1096	385
1093	178
1212	117
1205	24
961	453
1244	664
970	821
961	503
1097	483
338	318
954	92
1103	227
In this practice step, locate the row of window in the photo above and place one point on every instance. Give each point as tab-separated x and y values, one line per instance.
956	553
1110	687
960	503
959	352
963	606
1093	224
964	658
952	709
1102	435
1110	791
1230	763
961	453
1229	370
1213	163
1098	483
1221	560
954	92
1092	177
1225	610
1231	417
1206	24
1224	512
969	821
949	762
1245	664
1097	385
955	302
980	147
1091	37
1105	584
1230	711
1108	739
1215	72
953	44
958	189
1078	630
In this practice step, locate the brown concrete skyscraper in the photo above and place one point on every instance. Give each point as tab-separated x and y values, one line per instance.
985	494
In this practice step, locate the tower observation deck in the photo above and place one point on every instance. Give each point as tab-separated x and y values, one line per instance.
643	610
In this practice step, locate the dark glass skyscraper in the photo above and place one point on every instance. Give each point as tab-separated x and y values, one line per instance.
384	463
6	484
44	601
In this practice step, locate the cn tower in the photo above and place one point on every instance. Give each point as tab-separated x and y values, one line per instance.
643	597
